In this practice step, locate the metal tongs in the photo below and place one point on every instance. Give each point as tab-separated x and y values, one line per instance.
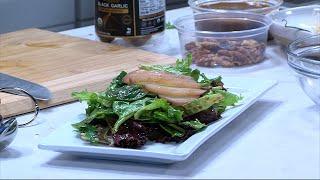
9	127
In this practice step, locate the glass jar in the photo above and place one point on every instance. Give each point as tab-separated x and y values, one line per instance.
136	21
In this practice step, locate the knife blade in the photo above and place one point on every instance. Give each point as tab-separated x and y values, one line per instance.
37	91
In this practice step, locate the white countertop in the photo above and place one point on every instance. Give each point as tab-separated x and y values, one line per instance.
278	137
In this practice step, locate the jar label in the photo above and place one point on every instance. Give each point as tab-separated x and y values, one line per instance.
129	17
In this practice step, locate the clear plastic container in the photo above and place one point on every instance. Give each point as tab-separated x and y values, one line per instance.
225	39
253	6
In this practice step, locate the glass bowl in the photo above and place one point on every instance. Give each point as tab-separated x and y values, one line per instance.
304	58
253	6
292	23
226	39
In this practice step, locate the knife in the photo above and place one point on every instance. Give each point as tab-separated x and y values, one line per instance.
37	91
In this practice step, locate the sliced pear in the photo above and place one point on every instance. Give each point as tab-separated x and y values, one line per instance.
173	91
178	101
161	78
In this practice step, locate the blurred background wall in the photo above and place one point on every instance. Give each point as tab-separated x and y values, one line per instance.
55	15
58	15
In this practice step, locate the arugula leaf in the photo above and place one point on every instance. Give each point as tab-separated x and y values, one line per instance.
177	128
126	93
196	124
164	68
159	110
89	133
94	100
182	67
156	104
217	82
173	130
119	91
202	103
85	96
229	99
175	114
169	25
125	110
204	80
95	114
99	107
117	81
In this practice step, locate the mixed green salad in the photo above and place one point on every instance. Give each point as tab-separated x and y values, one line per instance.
160	103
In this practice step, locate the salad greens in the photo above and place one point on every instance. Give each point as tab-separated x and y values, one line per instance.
121	103
196	124
122	92
173	130
169	25
202	103
228	99
159	110
89	133
126	110
182	67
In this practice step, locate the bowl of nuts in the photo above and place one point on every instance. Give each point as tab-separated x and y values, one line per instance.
226	39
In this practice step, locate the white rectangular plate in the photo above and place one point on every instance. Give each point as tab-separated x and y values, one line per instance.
66	140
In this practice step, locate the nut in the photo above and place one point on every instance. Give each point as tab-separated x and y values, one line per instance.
226	53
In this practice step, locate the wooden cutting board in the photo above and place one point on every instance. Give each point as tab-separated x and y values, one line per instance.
64	64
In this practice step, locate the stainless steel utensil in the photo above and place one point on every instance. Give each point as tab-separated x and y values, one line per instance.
35	90
8	132
9	127
20	91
